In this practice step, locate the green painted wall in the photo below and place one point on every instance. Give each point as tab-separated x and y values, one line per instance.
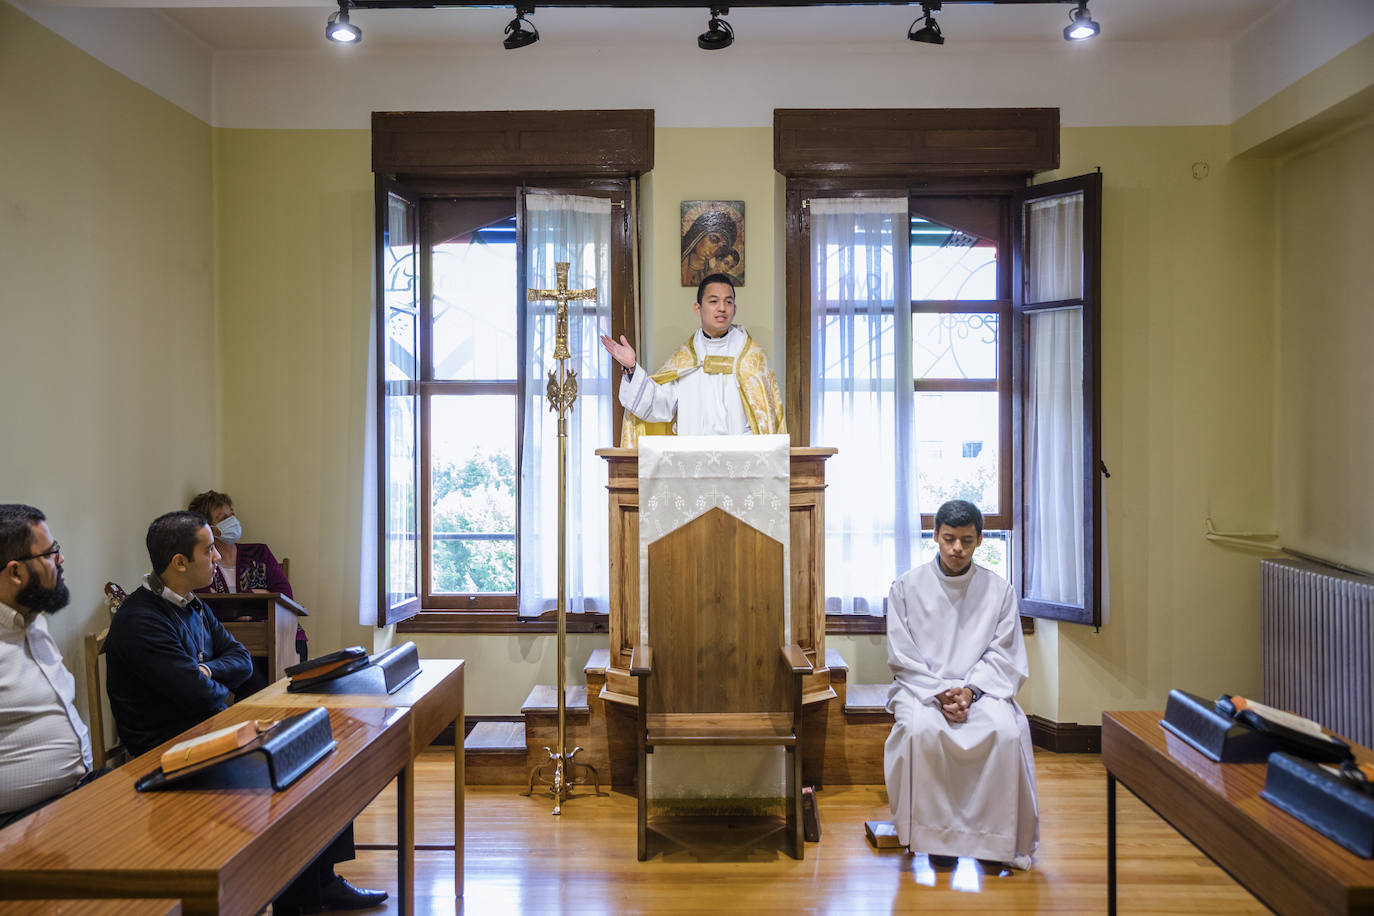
106	250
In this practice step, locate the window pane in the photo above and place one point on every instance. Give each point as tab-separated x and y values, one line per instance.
401	496
1054	248
994	552
475	303
1054	456
472	484
956	449
950	345
400	292
858	347
949	264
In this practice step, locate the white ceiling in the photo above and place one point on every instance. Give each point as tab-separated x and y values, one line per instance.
258	25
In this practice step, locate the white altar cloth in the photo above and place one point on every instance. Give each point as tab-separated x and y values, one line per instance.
683	477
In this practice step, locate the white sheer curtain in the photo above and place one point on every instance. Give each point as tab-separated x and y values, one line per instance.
565	227
1054	402
862	399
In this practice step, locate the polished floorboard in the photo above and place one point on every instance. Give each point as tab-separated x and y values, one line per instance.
522	859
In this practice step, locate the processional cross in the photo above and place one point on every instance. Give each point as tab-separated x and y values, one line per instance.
562	392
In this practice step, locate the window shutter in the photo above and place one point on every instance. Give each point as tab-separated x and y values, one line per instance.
1057	487
398	401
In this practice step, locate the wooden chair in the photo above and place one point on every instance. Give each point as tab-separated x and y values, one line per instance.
101	755
722	674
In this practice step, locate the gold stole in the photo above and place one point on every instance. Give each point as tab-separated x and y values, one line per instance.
758	389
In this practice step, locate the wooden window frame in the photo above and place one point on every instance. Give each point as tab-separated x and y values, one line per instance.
950	152
438	155
1091	473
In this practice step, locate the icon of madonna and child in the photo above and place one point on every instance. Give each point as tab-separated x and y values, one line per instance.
712	240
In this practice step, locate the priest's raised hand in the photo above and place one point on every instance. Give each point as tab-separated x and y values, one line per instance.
621	352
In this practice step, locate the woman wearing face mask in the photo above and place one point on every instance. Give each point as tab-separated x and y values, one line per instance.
243	566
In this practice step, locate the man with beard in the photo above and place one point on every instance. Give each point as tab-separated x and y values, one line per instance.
45	748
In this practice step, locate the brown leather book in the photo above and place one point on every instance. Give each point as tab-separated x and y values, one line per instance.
325	667
322	670
205	747
811	821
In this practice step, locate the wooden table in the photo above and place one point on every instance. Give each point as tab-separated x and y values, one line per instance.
434	700
1289	866
93	908
226	851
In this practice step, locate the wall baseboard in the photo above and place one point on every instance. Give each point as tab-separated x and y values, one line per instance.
1065	737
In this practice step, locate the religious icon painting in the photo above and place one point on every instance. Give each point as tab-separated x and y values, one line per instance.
712	240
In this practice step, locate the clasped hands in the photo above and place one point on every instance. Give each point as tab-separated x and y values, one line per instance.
954	703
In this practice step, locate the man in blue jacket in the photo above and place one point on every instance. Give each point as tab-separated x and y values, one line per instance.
171	664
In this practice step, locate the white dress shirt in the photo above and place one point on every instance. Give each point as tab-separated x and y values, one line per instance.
45	748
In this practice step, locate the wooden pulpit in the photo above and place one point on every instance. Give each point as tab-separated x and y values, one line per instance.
265	622
806	573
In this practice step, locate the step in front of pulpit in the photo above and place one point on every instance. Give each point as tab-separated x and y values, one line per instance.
495	754
842	738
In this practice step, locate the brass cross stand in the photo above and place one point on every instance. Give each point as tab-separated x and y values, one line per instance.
562	392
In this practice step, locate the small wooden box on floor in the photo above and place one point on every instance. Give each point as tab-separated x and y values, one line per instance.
882	834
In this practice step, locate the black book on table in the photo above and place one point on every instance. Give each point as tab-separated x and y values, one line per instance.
1337	806
384	673
275	758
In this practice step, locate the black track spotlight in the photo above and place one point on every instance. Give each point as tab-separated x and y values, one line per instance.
718	34
1081	26
340	29
520	33
929	32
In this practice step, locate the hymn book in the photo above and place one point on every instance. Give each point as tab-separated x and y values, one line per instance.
215	744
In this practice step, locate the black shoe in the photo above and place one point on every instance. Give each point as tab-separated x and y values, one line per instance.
993	867
340	895
942	861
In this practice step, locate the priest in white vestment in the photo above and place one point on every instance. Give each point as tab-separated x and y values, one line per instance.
958	763
718	383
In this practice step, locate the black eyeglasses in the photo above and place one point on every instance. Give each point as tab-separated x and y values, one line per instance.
53	551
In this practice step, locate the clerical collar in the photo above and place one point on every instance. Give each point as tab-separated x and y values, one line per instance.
710	341
940	565
155	586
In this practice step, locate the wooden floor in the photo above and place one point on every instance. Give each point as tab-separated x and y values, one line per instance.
521	859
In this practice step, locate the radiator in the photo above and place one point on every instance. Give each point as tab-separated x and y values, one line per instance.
1317	645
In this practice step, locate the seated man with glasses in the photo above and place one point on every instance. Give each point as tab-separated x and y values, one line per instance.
45	748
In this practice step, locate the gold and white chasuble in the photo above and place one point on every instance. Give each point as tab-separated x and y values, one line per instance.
965	789
720	386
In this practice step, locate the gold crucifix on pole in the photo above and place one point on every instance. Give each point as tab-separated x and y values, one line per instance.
562	392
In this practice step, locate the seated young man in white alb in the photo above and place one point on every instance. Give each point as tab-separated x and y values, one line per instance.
959	768
717	383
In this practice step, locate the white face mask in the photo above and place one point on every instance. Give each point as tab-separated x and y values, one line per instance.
230	530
